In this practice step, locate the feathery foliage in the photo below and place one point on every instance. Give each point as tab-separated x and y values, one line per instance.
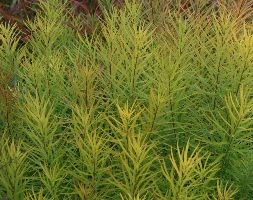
156	103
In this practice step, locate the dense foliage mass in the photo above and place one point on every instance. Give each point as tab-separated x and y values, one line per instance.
155	102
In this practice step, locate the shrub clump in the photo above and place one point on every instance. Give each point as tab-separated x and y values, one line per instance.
154	103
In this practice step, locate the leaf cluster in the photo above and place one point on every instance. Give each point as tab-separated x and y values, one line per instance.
156	105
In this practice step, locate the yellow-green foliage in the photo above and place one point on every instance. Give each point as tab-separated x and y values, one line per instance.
97	116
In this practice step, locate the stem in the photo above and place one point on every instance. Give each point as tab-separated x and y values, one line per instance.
7	111
241	76
171	109
110	69
216	84
231	140
86	92
94	182
135	67
154	118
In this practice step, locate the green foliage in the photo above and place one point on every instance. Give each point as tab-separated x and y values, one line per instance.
10	58
14	166
135	175
225	192
190	175
94	116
